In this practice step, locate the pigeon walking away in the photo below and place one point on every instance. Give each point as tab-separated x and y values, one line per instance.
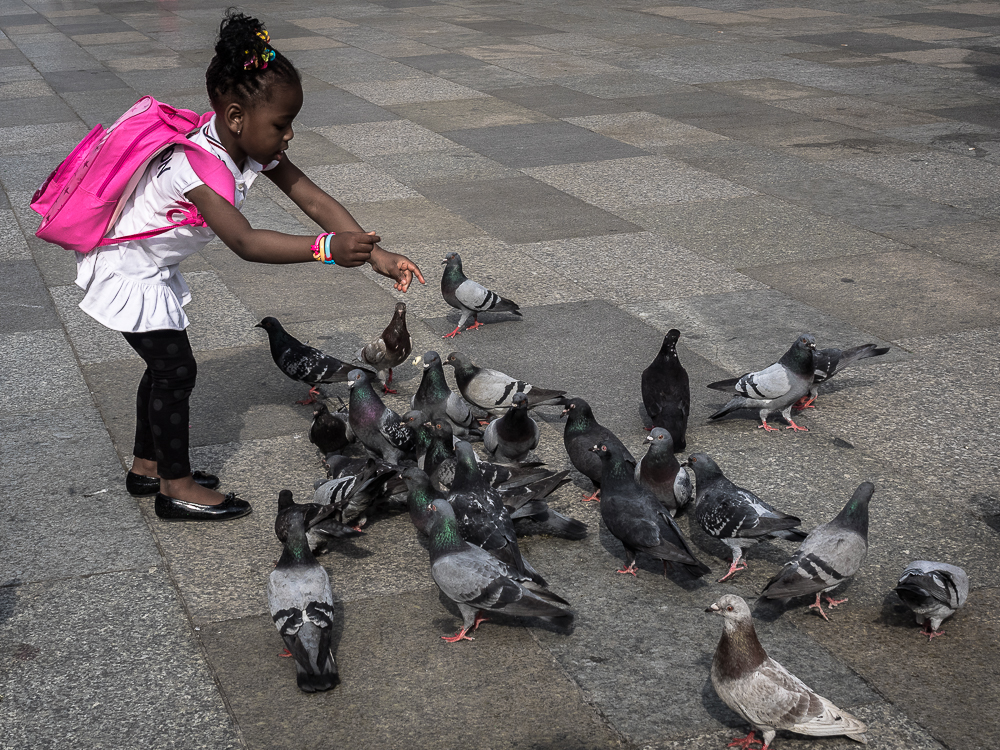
476	581
509	439
470	298
828	362
582	433
301	604
762	691
493	390
666	393
775	388
330	431
635	517
933	591
435	399
660	472
379	428
736	516
353	497
390	349
302	362
831	554
320	524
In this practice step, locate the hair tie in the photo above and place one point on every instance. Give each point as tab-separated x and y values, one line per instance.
266	55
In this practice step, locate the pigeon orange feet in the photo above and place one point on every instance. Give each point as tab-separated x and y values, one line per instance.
479	620
459	636
745	742
929	632
285	654
630	569
818	605
795	427
596	497
735	567
834	602
453	334
766	427
313	393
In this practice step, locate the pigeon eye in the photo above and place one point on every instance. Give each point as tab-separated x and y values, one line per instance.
729	608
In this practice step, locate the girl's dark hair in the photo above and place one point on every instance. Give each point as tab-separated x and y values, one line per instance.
239	43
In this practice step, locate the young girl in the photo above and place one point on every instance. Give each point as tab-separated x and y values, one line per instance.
134	286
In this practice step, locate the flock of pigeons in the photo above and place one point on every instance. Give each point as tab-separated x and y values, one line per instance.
473	510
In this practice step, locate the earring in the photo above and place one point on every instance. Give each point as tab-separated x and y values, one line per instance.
239	132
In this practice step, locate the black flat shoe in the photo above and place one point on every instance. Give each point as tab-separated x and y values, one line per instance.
172	509
139	485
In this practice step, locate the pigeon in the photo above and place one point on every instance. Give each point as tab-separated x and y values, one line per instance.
933	591
775	388
476	581
635	517
301	605
660	472
354	496
320	525
765	693
390	349
417	421
735	516
330	431
831	554
666	393
509	439
302	362
436	400
468	297
582	433
828	362
419	497
493	390
379	428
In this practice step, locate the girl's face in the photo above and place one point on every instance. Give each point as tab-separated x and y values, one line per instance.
267	128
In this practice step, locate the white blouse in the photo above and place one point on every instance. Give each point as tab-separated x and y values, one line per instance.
135	286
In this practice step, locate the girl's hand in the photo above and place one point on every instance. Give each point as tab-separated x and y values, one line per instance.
352	249
397	267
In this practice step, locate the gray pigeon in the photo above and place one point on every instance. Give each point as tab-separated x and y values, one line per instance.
390	349
321	526
476	581
775	388
354	496
635	517
379	428
437	401
301	605
666	392
831	554
765	693
582	433
509	439
828	362
933	591
660	472
302	362
330	431
470	298
734	515
493	390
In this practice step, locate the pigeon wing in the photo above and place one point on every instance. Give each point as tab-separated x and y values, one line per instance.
767	384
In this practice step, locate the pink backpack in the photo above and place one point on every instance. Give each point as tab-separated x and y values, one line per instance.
82	199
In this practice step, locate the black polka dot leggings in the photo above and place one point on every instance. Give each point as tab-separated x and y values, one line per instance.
161	403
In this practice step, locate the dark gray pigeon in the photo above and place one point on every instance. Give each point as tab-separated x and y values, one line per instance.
301	604
321	526
660	472
635	517
379	428
775	388
666	393
470	298
436	399
493	390
477	581
420	495
353	498
762	691
330	431
736	516
582	433
831	554
302	362
390	349
509	439
933	591
828	362
417	421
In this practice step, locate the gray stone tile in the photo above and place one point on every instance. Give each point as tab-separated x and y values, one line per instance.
101	108
156	690
454	165
83	80
519	210
32	139
338	107
467	113
378	138
36	111
358	183
541	144
12	243
506	28
417	219
39	364
560	101
425	89
973	244
863	42
25	304
644	130
309	149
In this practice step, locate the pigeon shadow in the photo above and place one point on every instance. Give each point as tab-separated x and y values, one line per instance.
895	614
675	572
767	610
8	598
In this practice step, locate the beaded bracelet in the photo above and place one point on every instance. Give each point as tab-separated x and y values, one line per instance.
321	248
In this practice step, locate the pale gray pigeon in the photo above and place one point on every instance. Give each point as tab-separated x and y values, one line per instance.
470	298
763	692
493	390
933	591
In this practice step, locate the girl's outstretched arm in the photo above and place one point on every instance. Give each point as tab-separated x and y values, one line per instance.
333	217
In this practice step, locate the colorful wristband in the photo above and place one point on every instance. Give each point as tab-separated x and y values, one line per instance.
321	248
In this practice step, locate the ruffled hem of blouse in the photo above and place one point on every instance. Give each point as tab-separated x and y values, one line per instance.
123	304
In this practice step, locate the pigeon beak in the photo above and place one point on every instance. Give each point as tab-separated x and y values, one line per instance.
444	262
595	449
713	608
649	438
258	325
564	413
